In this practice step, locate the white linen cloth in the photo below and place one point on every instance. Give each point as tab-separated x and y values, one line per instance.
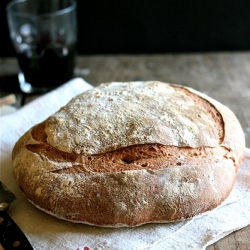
47	232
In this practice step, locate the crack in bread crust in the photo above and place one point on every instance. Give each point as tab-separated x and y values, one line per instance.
147	156
137	157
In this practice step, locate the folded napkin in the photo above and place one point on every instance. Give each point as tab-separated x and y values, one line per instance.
47	232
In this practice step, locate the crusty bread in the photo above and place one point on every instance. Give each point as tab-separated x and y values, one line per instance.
125	154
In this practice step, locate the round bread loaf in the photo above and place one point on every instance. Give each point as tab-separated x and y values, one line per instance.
126	154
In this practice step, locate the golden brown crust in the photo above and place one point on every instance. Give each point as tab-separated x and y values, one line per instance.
136	183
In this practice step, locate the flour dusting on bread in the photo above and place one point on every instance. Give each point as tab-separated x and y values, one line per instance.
120	114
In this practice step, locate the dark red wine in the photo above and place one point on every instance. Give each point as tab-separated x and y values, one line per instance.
49	65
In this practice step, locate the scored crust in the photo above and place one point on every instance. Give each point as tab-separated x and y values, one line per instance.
126	154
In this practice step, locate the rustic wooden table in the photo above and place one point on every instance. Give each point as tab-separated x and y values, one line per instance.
223	76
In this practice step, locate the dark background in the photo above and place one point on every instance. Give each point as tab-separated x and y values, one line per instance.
154	26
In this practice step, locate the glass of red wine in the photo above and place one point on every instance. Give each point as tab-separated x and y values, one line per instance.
44	35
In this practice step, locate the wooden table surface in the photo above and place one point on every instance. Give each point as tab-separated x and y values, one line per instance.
223	76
